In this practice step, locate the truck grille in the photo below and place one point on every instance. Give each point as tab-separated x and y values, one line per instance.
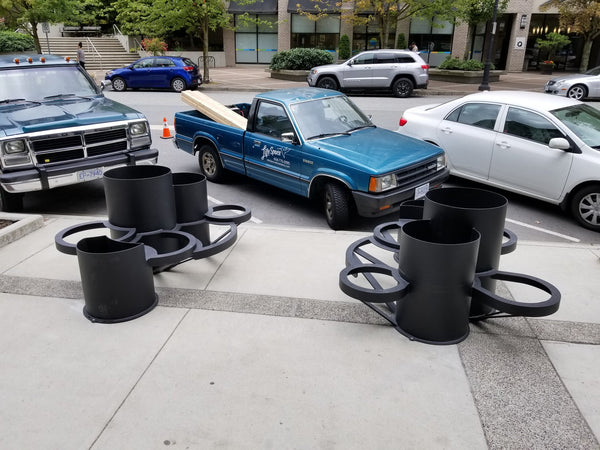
78	145
414	174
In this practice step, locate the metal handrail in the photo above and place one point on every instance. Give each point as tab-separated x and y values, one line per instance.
96	52
124	40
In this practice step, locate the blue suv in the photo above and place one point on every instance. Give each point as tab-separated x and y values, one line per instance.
160	72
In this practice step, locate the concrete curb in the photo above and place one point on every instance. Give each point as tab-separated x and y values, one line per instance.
23	225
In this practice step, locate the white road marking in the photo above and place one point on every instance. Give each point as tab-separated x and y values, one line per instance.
543	230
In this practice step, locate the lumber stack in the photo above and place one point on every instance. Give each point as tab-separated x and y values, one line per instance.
213	109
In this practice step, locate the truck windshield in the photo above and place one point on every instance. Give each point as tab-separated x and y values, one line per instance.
328	116
37	83
583	120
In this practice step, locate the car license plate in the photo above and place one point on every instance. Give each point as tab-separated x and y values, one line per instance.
420	191
90	174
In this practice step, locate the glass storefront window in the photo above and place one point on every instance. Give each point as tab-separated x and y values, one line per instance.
366	37
256	43
323	33
433	40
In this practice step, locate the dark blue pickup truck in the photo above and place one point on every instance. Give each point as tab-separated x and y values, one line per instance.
56	128
318	144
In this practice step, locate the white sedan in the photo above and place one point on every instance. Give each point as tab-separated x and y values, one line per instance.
534	144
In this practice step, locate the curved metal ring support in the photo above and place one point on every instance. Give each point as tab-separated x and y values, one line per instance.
71	249
355	250
169	258
383	233
235	218
544	308
511	244
224	241
377	294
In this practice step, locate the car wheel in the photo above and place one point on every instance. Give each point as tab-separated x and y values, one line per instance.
210	164
336	205
585	207
327	83
178	84
402	88
11	202
578	92
119	84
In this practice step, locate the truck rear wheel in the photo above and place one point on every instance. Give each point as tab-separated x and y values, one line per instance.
210	164
336	206
11	202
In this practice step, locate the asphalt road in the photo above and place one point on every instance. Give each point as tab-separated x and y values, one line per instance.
530	219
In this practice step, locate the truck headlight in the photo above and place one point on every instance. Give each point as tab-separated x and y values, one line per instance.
12	147
383	183
138	129
441	162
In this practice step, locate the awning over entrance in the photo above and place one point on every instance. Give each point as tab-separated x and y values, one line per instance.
257	7
312	6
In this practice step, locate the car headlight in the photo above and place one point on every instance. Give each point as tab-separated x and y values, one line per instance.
12	147
138	129
313	71
383	183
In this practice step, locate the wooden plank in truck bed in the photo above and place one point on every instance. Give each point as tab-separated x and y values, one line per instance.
213	109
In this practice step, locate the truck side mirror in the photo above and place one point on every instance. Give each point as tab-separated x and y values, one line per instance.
289	137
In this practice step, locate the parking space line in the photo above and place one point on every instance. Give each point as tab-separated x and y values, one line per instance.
543	230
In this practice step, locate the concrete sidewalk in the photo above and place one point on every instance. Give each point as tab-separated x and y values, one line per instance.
258	348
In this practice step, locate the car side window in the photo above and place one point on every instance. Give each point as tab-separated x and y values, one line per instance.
404	59
385	58
143	63
272	120
363	59
482	115
163	62
530	125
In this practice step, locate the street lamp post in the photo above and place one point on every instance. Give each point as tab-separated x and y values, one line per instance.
485	85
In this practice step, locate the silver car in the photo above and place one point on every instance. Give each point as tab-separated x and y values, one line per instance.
577	86
400	71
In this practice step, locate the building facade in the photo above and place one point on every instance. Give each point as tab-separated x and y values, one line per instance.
281	26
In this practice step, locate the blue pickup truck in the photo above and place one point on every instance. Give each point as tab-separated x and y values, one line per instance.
316	143
56	128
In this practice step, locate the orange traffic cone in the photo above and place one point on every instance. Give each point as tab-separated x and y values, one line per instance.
166	132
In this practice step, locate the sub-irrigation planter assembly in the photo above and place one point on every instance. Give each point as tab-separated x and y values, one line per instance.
156	220
447	252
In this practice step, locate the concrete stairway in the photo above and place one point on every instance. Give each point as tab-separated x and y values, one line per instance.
112	54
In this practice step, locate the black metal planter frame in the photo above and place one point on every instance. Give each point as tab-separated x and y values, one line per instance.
448	251
156	220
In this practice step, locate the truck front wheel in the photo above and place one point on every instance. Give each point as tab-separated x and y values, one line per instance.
336	205
585	207
210	164
11	202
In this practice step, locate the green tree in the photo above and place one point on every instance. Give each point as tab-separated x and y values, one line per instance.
553	43
28	14
583	17
474	12
344	52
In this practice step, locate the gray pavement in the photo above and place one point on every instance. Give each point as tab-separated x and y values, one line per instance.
258	348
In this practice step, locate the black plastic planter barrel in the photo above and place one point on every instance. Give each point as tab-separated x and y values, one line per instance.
157	220
447	249
118	284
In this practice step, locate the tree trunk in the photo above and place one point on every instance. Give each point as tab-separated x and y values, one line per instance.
36	38
206	76
585	55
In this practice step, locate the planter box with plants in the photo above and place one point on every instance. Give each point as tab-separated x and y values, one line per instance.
468	72
295	64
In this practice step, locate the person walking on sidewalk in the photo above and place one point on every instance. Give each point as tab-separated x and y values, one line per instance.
80	55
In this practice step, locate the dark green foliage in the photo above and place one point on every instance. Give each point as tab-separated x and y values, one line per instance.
401	42
300	59
456	64
344	51
11	42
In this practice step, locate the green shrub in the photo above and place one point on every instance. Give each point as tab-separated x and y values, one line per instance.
344	52
456	64
11	42
300	59
401	42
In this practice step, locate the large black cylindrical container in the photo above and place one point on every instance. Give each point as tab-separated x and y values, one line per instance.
440	267
117	282
140	197
191	200
453	208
